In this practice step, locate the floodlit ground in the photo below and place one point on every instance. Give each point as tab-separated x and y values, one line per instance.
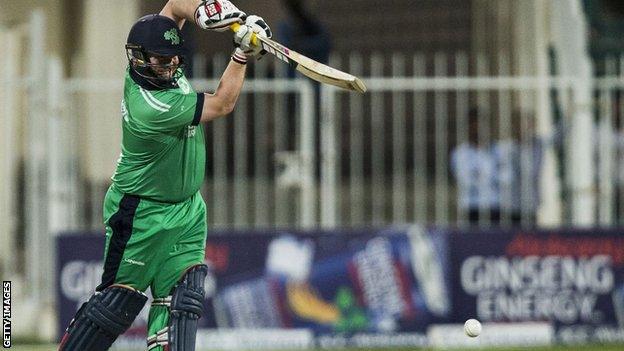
559	348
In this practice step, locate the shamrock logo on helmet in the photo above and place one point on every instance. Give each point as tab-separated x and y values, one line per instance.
172	35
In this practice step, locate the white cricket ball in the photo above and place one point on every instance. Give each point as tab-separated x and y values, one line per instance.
472	328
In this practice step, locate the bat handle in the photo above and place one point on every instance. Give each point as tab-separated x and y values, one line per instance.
236	26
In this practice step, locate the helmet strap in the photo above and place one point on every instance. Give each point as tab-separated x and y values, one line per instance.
144	75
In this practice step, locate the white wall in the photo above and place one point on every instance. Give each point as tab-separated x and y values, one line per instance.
9	151
18	11
102	56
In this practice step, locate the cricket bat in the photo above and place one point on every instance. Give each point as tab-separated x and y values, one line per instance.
307	66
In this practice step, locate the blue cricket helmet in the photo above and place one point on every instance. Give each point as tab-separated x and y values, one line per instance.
155	36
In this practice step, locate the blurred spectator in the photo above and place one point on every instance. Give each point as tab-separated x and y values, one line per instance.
303	33
518	162
474	169
608	136
499	179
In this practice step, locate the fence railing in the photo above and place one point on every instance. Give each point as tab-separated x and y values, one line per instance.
399	156
296	154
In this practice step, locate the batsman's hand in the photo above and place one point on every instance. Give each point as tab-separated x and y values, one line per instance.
218	15
243	38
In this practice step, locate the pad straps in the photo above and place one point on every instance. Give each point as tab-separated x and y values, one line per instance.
186	308
102	319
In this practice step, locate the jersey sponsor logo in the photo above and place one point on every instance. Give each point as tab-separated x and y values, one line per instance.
190	132
172	35
134	262
184	85
153	102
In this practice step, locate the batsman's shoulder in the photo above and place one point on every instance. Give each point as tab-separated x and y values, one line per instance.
150	101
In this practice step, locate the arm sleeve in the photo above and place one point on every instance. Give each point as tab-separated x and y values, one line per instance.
165	111
199	107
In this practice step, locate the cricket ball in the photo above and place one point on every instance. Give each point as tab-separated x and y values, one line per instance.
472	328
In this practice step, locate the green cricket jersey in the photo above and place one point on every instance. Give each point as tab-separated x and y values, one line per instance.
163	155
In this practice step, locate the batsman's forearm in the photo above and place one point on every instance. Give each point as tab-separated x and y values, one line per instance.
224	99
231	84
181	10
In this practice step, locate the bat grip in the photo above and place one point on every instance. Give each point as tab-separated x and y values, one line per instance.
236	26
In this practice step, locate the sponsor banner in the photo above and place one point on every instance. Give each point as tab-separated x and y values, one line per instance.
493	334
79	264
387	287
372	340
347	282
366	288
571	278
251	339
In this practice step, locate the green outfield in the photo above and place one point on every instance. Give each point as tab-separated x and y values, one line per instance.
554	348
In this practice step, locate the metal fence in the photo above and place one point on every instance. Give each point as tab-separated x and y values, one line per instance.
609	141
295	154
396	144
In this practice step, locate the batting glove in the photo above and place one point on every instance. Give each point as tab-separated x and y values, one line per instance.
243	37
218	15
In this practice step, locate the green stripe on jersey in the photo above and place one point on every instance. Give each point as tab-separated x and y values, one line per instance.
163	155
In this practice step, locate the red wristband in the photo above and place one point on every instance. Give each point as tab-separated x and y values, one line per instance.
239	58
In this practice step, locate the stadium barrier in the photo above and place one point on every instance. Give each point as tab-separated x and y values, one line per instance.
393	287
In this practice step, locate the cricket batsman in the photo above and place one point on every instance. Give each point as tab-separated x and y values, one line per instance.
154	215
